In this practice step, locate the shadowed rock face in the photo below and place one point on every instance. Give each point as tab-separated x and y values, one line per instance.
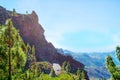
33	33
3	15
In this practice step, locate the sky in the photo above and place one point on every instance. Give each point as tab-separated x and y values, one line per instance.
76	25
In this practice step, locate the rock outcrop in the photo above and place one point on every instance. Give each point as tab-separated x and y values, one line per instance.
33	33
3	15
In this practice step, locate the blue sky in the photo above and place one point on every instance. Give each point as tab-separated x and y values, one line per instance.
77	25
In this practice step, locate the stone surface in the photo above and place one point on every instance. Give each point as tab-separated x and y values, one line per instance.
57	68
3	15
33	33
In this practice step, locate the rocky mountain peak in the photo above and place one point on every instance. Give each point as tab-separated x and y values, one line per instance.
34	15
33	33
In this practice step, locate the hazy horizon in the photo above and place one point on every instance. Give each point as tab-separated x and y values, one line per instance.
79	26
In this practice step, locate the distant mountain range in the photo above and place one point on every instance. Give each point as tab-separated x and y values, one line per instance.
94	62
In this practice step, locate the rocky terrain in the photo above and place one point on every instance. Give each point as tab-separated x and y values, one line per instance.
94	62
33	33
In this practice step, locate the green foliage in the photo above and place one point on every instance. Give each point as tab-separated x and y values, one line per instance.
14	12
79	77
112	67
66	66
118	52
52	73
31	53
11	47
63	76
14	54
83	75
104	79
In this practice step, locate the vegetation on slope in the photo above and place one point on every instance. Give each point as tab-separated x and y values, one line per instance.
18	61
112	67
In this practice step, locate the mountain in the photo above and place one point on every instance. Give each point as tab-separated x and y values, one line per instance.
94	62
33	33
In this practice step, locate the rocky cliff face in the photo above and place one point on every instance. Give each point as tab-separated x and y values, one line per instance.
33	33
3	15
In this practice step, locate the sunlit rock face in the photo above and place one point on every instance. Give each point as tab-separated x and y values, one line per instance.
33	33
57	68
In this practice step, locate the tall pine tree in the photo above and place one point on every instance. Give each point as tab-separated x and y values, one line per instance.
112	67
12	53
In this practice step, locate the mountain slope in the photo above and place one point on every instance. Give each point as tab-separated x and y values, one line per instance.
94	62
33	33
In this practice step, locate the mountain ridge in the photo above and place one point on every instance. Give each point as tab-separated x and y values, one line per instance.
94	62
33	33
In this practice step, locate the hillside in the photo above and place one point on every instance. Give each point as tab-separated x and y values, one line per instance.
33	33
94	62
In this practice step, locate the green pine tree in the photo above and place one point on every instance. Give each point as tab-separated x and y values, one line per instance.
79	77
14	12
33	53
83	75
12	55
64	65
68	67
118	52
112	67
52	73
